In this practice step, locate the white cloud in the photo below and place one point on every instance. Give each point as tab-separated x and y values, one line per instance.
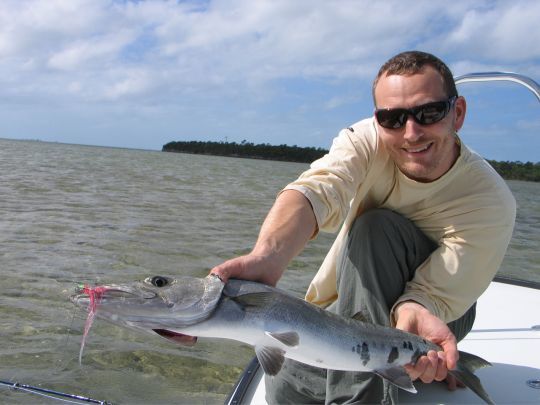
501	32
96	50
103	50
135	81
31	26
339	100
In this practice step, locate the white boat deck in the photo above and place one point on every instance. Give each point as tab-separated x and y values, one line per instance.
506	333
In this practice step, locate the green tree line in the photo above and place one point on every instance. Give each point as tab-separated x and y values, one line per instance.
248	150
508	170
517	170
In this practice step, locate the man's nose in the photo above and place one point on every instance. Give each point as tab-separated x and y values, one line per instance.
413	130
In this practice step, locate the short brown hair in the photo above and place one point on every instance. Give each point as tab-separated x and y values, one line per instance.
412	62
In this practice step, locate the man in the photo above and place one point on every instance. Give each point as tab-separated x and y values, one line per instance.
425	223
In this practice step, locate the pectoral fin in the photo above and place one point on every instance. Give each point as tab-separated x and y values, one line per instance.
290	339
397	376
184	340
271	359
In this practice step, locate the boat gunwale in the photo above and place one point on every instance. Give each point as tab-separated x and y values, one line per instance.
517	281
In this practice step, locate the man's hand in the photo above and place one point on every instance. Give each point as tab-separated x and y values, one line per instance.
248	267
414	318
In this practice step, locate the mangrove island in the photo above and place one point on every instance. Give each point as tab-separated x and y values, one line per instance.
508	170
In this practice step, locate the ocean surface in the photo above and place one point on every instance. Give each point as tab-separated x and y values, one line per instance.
72	214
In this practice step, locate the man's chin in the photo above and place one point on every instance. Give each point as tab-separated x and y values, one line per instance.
418	173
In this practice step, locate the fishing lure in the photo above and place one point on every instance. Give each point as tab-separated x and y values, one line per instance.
95	294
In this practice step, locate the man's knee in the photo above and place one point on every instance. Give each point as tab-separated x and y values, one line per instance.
372	219
377	224
382	252
389	229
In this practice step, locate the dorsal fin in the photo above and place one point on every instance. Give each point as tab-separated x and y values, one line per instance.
257	299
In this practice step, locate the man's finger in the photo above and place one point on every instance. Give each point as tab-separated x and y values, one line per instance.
430	371
423	369
221	273
451	353
442	371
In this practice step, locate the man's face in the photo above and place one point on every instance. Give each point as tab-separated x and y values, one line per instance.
422	152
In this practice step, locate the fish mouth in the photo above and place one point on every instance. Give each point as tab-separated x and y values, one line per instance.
185	340
112	292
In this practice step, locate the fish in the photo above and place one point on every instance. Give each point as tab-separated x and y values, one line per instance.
277	324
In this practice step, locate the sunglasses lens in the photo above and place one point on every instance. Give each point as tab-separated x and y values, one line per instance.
430	113
392	118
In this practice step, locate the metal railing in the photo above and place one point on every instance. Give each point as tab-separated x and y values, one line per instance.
501	76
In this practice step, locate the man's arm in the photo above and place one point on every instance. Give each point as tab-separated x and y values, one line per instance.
284	233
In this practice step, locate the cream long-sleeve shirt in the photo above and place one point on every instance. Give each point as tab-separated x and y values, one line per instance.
469	211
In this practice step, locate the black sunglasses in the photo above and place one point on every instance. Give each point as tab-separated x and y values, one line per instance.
425	114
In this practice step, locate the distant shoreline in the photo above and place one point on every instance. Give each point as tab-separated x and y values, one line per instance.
508	170
284	153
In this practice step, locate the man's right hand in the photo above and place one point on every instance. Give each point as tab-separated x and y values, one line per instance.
249	267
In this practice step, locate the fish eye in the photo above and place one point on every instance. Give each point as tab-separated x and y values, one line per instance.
159	281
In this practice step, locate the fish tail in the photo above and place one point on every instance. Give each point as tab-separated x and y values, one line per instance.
464	372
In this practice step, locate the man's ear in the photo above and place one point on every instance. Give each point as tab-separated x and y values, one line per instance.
460	108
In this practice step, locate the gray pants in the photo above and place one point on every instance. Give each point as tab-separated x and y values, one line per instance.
383	251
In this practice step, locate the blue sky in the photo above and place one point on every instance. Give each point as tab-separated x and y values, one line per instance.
139	74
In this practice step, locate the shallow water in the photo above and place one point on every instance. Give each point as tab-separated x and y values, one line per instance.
74	214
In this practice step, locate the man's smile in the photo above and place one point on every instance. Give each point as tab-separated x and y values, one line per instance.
418	149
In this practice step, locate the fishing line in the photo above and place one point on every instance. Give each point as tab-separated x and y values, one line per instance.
70	334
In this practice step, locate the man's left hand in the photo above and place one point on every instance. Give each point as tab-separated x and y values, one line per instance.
414	318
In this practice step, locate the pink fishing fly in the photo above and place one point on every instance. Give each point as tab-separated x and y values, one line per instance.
94	294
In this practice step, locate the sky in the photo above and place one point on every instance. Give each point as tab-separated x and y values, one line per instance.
139	74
